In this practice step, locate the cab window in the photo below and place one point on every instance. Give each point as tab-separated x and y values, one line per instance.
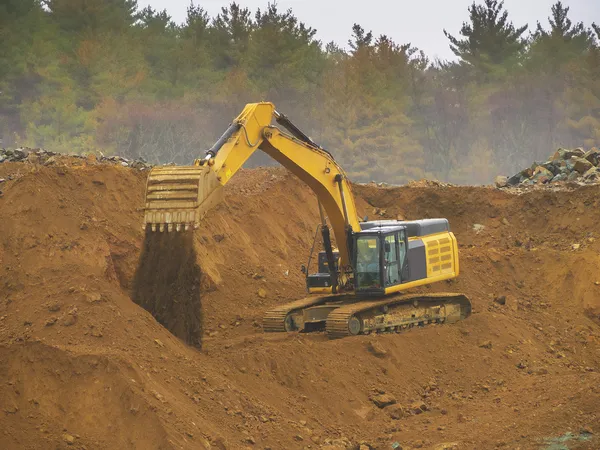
367	262
391	260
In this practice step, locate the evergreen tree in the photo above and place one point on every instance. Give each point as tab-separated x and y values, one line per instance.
489	39
596	28
86	75
231	33
26	45
564	39
92	16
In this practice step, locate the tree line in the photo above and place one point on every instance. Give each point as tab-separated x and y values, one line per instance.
106	76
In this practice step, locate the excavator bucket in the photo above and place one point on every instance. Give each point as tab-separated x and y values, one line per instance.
177	197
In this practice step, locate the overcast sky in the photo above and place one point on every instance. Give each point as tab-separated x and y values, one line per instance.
419	22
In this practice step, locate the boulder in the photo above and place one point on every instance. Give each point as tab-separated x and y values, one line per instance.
551	166
563	154
573	176
593	174
383	400
542	175
514	180
593	156
528	173
560	177
19	154
581	165
501	181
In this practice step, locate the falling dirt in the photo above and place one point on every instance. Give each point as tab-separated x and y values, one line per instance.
167	284
84	366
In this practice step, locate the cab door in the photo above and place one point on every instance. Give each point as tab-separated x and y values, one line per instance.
392	261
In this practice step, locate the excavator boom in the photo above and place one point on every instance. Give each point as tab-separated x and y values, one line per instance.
178	197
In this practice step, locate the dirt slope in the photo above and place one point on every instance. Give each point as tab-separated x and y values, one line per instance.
83	366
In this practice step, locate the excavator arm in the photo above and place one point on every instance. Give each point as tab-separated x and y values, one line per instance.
178	197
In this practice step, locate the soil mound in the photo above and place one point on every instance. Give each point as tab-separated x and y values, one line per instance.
84	366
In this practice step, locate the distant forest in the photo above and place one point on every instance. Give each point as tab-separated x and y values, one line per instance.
80	76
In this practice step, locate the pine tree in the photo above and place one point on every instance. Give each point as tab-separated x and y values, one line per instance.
489	39
564	39
230	35
92	16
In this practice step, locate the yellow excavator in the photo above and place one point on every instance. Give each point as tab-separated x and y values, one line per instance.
359	287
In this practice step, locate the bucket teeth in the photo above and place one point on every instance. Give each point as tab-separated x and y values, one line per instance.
178	197
153	228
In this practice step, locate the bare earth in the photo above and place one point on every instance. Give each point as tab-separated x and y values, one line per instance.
84	367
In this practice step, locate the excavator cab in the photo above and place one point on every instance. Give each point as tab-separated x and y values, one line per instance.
379	259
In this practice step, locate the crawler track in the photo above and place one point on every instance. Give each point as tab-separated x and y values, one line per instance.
351	316
278	319
396	314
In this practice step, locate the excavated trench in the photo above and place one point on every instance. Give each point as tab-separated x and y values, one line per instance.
167	284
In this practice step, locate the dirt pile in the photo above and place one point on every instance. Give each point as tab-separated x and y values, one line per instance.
84	366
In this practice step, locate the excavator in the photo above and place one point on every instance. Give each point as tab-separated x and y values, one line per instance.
361	282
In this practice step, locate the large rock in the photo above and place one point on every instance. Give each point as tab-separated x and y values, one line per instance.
563	154
593	156
581	165
514	180
501	181
592	174
528	173
542	175
19	154
552	166
383	400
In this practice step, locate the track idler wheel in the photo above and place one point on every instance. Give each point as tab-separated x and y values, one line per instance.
289	323
354	326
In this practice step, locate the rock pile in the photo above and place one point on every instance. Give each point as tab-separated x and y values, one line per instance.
47	158
564	165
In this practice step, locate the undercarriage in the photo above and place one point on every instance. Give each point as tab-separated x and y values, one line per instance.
349	315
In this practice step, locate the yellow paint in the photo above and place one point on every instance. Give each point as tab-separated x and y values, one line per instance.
305	161
320	290
417	283
440	250
441	253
